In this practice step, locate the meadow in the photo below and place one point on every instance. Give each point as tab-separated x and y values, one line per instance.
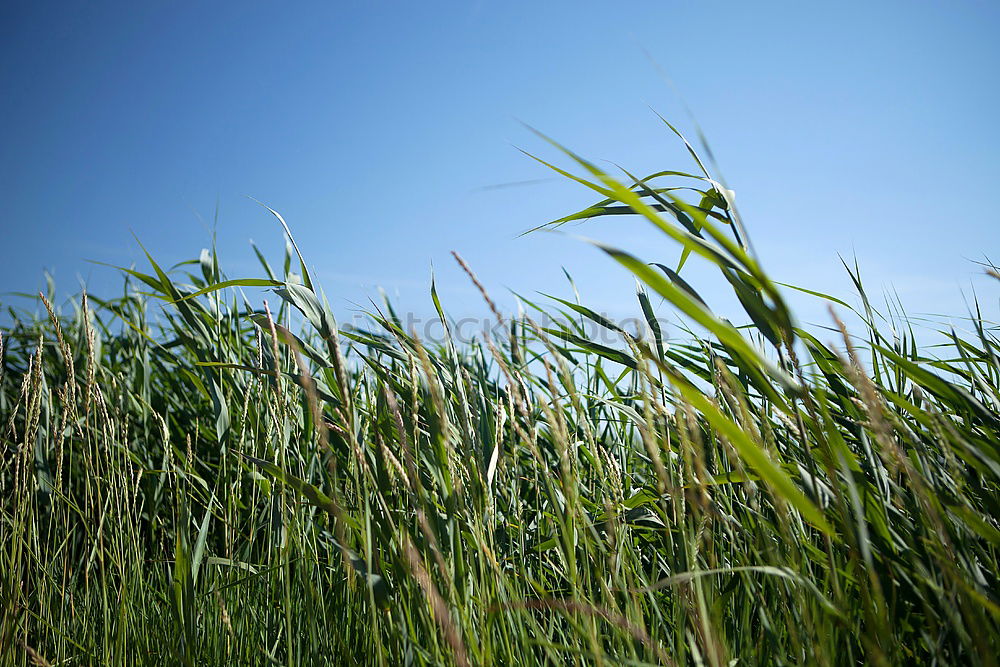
205	470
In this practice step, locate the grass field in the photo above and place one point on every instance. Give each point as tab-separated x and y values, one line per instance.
190	476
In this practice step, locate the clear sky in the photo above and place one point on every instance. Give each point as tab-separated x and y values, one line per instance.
381	131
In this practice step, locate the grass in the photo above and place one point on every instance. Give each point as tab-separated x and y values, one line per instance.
194	476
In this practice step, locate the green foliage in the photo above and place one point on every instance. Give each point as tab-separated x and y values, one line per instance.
187	478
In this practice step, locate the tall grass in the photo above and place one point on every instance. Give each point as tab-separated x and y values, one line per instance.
191	475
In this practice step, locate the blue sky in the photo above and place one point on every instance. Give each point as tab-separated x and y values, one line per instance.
380	130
